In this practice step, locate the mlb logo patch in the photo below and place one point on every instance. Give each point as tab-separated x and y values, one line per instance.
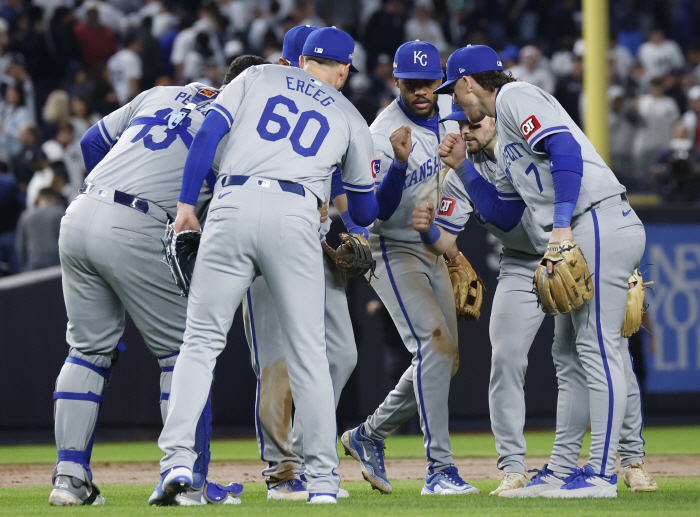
318	50
529	126
207	92
376	167
447	206
264	183
103	193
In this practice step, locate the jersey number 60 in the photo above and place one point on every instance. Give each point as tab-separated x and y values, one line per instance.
269	115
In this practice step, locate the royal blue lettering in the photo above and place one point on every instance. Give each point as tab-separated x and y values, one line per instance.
421	175
181	94
289	83
300	85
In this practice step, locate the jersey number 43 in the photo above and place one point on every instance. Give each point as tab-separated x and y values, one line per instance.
273	134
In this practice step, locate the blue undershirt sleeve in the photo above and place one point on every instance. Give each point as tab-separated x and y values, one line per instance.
351	227
566	165
94	148
363	207
337	188
504	215
201	155
390	190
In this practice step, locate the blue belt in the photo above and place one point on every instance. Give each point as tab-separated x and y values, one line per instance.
287	186
122	198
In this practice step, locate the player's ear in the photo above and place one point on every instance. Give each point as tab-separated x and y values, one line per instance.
302	62
396	81
469	82
283	62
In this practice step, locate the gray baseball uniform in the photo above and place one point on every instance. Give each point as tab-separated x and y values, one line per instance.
415	287
607	230
306	128
111	254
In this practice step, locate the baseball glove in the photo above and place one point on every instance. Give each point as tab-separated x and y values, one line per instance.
635	304
179	253
569	285
353	257
467	286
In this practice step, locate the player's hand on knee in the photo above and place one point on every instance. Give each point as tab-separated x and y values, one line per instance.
452	150
423	216
401	142
185	220
324	211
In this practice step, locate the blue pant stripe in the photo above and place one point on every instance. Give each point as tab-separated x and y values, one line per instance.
257	364
641	405
102	372
611	395
418	353
67	395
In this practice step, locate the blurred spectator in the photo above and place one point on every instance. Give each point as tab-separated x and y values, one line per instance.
385	31
622	58
11	206
125	69
691	118
304	13
97	42
422	26
264	26
564	20
14	114
37	232
623	121
509	56
5	56
187	40
108	13
104	99
81	117
150	54
533	70
239	14
65	45
56	109
31	43
674	89
569	88
560	64
677	170
30	158
658	114
658	55
198	58
64	147
55	176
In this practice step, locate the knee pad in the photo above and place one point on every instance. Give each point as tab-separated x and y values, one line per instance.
167	364
80	390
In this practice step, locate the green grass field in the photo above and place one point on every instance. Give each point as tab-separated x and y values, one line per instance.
678	496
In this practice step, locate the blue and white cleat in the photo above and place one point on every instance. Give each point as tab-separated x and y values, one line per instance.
544	481
585	483
342	493
171	483
210	493
370	454
292	490
447	482
322	499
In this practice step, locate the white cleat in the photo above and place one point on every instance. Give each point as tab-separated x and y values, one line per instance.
72	491
638	479
585	483
447	482
292	490
322	499
511	481
545	480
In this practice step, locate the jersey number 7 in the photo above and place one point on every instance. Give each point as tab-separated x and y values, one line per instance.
532	168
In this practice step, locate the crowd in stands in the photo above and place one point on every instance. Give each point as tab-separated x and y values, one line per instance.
64	64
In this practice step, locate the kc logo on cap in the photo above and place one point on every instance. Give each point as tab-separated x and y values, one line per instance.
420	57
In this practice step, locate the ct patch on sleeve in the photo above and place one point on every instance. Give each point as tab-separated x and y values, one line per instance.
376	167
529	126
447	206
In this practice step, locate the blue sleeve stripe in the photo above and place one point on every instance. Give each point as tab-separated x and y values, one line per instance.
505	197
358	188
508	195
105	133
545	132
223	111
449	227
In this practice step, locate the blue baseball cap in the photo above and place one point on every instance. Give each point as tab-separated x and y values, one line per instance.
457	114
469	60
294	42
417	60
330	43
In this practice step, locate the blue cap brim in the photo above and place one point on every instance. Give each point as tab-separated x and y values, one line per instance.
456	115
294	63
447	87
419	75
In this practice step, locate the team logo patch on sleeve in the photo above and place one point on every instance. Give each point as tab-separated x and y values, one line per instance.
447	206
207	92
528	127
376	167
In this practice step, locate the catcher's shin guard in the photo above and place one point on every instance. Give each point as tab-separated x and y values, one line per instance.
80	389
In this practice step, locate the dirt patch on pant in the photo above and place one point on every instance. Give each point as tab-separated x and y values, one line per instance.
247	471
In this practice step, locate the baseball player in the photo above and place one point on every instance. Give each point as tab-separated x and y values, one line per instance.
279	446
110	257
414	286
553	168
515	319
267	202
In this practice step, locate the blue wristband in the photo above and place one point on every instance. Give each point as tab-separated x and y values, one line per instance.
432	235
351	227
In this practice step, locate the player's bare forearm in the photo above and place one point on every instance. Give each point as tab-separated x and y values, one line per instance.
422	218
341	203
453	251
445	245
186	218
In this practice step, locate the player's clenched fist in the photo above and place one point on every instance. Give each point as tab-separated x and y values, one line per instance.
423	216
185	220
401	142
452	150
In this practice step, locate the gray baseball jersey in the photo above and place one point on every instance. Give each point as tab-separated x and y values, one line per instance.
422	179
525	115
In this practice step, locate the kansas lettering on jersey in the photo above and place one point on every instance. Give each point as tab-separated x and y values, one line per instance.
422	175
525	115
147	161
286	125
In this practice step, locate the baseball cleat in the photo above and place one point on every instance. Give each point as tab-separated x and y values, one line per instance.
73	491
370	454
342	493
585	483
638	479
322	499
171	483
510	481
545	480
447	482
211	493
292	490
